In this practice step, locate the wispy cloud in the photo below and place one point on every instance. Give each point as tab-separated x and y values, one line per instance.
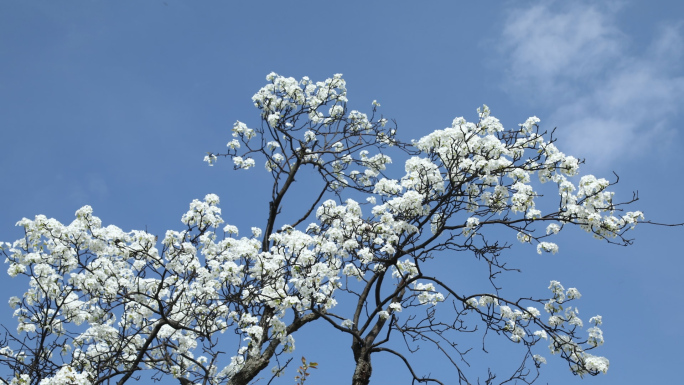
607	101
93	187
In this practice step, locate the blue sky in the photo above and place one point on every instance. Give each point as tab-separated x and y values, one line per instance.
114	104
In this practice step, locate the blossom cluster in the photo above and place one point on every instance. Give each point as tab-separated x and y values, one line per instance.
301	124
558	329
134	302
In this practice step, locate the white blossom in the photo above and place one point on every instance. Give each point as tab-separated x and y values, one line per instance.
465	181
548	247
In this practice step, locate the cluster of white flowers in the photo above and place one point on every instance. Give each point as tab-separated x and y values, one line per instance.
283	93
283	102
122	290
210	159
478	158
243	163
66	375
583	362
358	121
189	279
516	321
427	293
471	224
423	176
548	247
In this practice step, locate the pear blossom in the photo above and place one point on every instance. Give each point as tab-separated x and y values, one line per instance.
140	303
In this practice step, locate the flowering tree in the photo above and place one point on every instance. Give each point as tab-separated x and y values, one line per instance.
104	305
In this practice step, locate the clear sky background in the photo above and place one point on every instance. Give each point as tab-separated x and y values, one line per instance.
114	104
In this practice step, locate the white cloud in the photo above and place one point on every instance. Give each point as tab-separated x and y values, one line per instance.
92	187
548	49
607	101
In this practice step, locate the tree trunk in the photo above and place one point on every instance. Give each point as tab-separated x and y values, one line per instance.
363	370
